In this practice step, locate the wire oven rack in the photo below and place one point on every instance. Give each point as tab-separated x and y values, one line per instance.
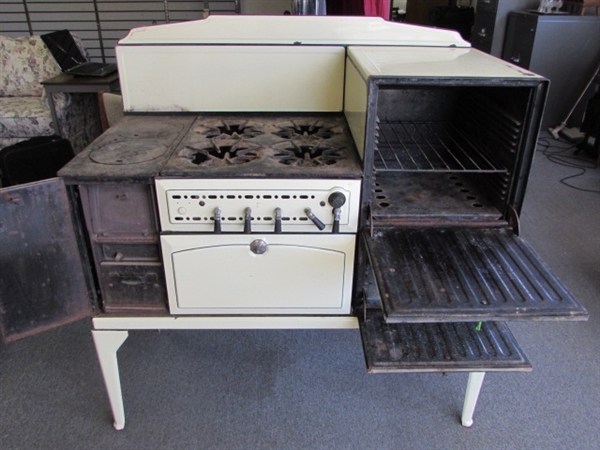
429	146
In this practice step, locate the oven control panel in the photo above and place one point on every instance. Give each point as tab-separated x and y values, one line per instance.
256	205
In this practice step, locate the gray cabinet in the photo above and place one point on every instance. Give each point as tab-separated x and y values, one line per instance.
490	22
563	48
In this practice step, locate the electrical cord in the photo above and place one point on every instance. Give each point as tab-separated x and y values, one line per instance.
557	153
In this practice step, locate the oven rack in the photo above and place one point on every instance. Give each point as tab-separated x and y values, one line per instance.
433	197
428	146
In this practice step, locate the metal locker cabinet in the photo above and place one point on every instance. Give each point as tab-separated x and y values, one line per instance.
565	49
490	23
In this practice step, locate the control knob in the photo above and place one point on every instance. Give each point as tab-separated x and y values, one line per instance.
337	199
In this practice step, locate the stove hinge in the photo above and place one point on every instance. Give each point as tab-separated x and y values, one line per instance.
513	220
370	220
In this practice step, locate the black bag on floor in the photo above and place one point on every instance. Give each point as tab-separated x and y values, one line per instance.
36	159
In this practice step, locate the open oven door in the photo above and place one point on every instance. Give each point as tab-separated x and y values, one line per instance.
43	280
464	275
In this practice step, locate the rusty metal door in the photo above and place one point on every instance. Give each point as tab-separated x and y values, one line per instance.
44	282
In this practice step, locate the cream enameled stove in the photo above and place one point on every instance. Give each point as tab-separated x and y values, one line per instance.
262	217
314	172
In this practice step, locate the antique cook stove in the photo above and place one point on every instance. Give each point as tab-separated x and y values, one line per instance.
307	172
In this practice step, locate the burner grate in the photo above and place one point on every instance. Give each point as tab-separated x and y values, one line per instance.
223	152
226	129
307	154
294	130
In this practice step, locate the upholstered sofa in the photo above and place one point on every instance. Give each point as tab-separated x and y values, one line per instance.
24	109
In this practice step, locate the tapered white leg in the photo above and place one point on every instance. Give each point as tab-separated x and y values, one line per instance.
107	343
471	396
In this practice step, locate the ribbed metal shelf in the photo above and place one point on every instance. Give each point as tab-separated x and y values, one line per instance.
428	146
438	347
463	275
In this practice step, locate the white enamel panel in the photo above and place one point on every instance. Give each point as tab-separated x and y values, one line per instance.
182	78
297	274
188	205
286	30
224	322
432	62
355	105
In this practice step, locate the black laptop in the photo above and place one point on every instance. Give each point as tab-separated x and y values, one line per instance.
70	59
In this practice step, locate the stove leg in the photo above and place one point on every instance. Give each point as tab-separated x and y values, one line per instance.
107	343
471	396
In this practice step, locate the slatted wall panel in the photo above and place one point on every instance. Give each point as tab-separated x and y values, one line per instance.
101	23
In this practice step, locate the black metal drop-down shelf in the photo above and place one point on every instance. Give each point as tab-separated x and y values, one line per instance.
464	275
438	347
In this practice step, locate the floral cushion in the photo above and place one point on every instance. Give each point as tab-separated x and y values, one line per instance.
24	117
25	62
24	110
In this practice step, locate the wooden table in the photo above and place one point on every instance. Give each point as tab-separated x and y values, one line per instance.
73	84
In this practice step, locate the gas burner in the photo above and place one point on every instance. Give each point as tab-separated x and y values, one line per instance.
229	129
292	130
223	152
305	154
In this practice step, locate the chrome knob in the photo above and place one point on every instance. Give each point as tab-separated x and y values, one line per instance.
217	228
278	220
258	246
337	214
248	220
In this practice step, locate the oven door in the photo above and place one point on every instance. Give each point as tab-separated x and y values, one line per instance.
45	280
462	275
259	274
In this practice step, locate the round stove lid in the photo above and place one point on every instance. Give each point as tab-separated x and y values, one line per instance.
129	152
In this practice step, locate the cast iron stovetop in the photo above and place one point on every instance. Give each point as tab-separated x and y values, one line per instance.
220	146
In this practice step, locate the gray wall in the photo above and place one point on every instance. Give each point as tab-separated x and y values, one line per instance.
101	23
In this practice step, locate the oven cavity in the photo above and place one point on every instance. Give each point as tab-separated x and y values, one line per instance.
447	154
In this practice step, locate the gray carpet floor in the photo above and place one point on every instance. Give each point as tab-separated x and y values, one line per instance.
309	389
